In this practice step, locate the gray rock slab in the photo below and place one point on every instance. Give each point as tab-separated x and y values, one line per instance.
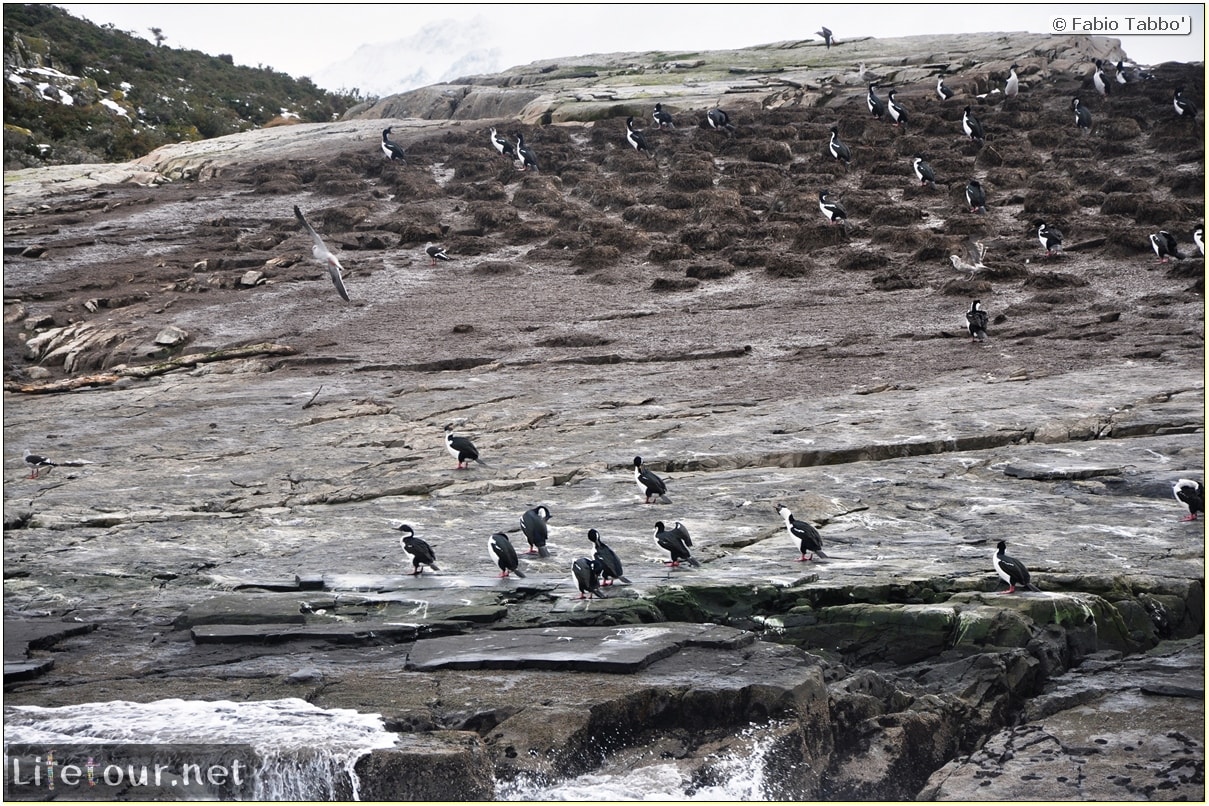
618	650
21	635
351	633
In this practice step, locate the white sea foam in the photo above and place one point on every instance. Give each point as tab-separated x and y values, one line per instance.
740	774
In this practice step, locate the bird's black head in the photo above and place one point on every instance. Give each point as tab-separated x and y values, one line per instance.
974	183
1038	223
405	529
637	461
658	526
976	305
593	535
1002	546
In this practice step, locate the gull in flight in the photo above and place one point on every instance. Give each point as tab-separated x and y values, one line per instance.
324	256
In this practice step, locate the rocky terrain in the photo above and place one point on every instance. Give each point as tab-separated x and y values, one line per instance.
243	442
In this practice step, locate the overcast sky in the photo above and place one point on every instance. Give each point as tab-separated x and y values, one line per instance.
301	40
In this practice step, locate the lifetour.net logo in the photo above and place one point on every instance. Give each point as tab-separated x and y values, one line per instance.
128	772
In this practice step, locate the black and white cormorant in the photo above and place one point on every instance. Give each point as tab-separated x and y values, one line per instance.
610	563
676	541
1192	494
1011	87
831	210
501	553
533	524
808	538
1049	237
971	126
976	321
501	144
586	573
1184	107
825	33
662	118
525	154
462	449
976	197
897	113
942	89
1164	246
923	171
876	107
1082	116
1012	571
837	149
421	553
390	148
649	484
635	137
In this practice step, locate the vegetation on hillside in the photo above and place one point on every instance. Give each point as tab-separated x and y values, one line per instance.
75	92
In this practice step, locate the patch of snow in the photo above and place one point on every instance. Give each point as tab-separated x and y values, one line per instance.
115	106
49	73
125	86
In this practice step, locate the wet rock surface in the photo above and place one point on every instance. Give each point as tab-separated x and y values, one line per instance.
232	534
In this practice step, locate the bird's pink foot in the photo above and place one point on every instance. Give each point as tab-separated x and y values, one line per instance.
1187	518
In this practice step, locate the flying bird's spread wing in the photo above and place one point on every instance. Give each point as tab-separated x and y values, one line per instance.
322	254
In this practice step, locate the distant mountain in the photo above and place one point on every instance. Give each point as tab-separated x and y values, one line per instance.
437	53
75	92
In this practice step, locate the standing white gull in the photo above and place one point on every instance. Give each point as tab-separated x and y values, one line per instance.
435	253
36	462
323	255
